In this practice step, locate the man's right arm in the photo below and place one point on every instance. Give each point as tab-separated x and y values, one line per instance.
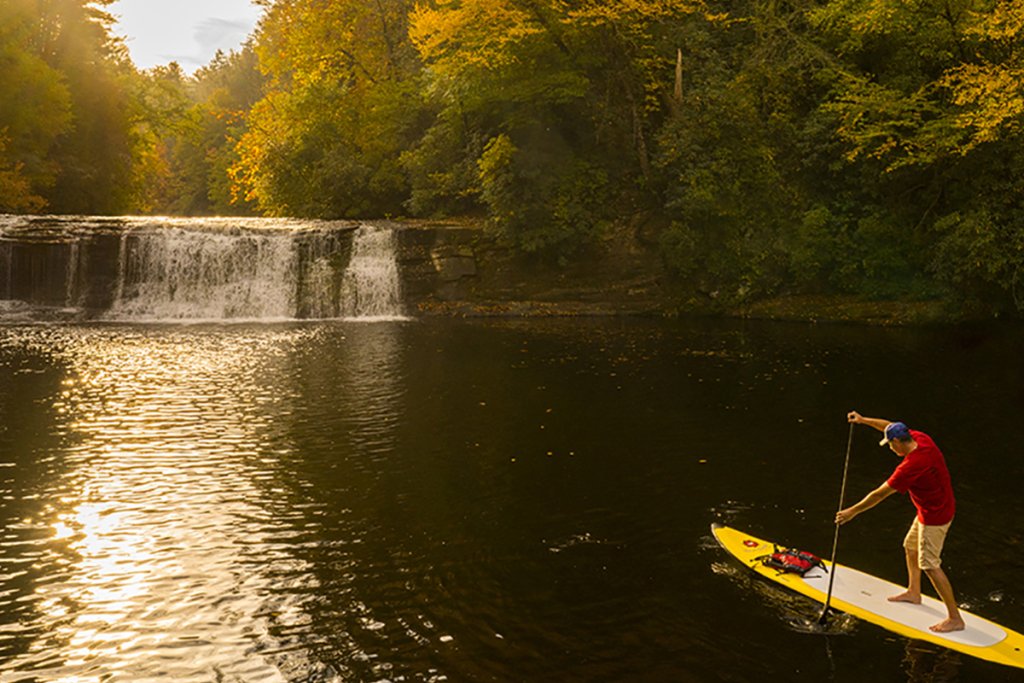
869	501
876	422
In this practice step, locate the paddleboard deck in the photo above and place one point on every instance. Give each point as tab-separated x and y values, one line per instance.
866	597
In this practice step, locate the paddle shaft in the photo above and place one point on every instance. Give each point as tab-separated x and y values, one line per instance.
835	539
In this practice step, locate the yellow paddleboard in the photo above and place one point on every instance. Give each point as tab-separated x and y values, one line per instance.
864	596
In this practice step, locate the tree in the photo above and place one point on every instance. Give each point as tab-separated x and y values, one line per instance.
70	128
543	111
194	124
35	109
96	155
933	102
15	188
227	88
340	108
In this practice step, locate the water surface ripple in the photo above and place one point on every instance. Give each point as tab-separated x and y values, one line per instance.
491	501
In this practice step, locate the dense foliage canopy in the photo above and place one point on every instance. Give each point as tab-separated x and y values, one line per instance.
870	147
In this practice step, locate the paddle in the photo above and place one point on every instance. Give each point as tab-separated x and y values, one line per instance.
835	541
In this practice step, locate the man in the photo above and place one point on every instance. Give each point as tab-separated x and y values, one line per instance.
923	474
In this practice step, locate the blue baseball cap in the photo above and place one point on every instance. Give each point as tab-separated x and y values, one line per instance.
895	430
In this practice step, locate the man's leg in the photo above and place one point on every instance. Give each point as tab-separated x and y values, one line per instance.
954	622
910	546
913	592
932	540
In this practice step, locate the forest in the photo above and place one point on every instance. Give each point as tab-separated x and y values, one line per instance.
869	148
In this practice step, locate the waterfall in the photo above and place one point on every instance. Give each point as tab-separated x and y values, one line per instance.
371	287
187	275
137	269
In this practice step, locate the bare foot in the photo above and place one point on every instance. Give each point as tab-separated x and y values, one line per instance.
906	596
948	625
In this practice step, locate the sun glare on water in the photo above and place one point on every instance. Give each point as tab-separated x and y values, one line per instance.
161	500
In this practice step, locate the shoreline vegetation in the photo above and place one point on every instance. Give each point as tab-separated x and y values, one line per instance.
827	160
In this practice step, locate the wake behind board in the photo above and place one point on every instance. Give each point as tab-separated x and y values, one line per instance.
865	597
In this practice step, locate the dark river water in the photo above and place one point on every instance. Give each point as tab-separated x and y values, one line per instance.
445	500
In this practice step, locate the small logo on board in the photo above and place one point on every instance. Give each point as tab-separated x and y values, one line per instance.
750	544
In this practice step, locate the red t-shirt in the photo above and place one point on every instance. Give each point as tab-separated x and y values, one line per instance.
924	475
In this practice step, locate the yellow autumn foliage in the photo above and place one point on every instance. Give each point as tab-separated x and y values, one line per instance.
454	34
990	99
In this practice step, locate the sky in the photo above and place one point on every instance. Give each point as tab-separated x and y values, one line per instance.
185	31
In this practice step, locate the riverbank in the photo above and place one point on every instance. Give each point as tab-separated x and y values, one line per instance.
823	308
457	269
810	309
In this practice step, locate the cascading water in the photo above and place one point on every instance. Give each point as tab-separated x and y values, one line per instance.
182	275
199	269
371	287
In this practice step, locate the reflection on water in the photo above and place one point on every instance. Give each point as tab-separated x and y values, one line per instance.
489	501
154	549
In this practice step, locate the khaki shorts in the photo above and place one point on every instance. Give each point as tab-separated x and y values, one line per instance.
927	540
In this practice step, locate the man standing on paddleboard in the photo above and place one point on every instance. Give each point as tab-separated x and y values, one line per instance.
923	474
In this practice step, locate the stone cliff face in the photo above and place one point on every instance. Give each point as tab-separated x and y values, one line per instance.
438	262
455	269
